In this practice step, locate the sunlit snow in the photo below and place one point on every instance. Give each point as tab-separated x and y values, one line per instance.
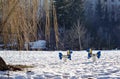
48	66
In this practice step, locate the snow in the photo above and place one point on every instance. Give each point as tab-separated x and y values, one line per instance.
39	44
48	66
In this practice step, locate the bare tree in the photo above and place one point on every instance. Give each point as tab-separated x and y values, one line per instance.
50	11
78	32
75	38
19	21
47	26
55	26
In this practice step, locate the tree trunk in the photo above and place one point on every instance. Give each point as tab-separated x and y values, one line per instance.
80	42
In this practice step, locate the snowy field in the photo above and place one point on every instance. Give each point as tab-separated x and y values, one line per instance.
48	66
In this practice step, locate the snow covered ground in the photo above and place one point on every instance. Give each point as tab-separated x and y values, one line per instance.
48	66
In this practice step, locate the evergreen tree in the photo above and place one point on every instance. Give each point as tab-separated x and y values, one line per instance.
68	12
103	26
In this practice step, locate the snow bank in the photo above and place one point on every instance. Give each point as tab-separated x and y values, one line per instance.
40	44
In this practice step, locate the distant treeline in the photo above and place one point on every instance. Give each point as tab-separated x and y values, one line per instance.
81	30
64	24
